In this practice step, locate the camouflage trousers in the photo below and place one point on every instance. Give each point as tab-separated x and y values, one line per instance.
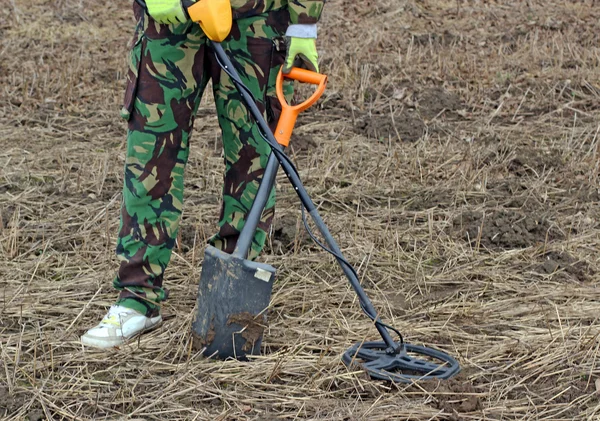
170	66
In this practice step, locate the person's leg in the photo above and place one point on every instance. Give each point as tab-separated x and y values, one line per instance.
166	79
257	49
163	99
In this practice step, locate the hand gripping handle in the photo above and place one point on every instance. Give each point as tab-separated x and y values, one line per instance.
289	113
213	16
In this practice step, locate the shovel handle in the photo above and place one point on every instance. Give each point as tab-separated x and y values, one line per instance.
289	113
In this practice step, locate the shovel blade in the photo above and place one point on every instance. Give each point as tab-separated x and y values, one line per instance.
233	296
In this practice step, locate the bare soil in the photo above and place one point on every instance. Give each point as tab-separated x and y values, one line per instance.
454	156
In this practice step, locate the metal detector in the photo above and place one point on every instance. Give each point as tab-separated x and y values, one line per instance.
234	292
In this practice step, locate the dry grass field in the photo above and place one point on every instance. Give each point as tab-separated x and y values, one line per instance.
454	156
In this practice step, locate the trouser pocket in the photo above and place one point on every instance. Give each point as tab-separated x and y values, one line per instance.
136	47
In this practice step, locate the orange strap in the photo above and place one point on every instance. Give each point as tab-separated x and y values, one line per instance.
289	113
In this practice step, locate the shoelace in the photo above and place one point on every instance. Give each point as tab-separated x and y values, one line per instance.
114	317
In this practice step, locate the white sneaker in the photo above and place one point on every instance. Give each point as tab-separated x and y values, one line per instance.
118	326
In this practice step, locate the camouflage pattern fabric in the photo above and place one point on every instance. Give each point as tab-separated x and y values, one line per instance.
170	66
301	11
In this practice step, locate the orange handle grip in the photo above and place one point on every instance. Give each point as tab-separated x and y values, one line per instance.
289	114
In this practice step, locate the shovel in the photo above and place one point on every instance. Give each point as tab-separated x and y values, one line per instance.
234	292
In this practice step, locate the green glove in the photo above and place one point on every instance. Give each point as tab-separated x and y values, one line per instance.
166	11
301	52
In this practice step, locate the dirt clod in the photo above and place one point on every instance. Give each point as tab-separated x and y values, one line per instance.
534	162
253	326
302	144
433	101
288	234
9	403
504	229
562	261
405	126
455	396
199	342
